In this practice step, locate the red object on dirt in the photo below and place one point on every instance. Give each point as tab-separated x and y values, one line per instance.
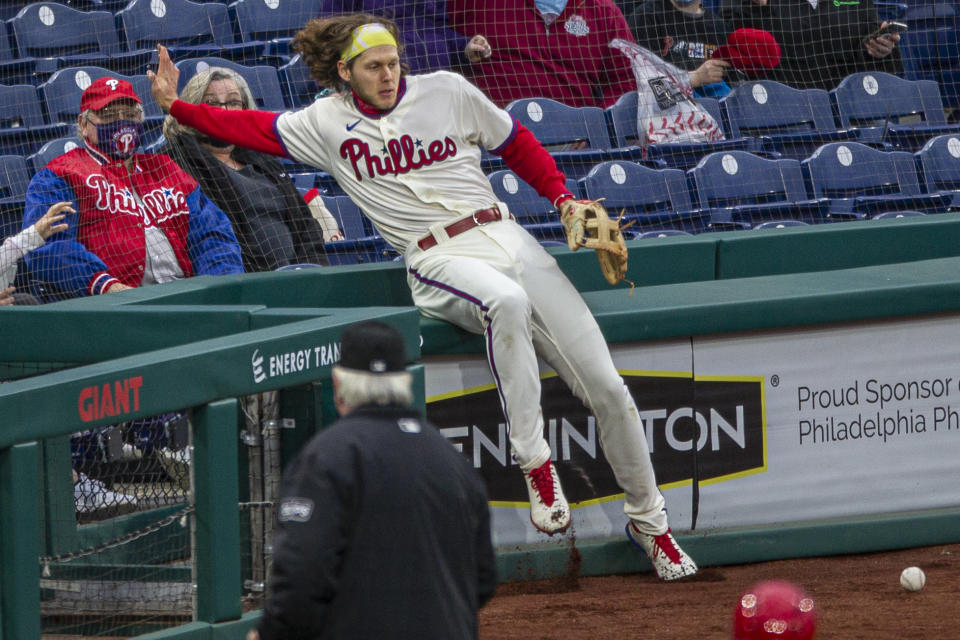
774	610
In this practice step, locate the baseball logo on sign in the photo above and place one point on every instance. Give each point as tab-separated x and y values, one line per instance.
730	165
535	112
844	156
759	94
510	184
617	174
82	79
870	85
953	146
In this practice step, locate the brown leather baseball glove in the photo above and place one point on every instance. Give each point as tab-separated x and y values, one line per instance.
588	225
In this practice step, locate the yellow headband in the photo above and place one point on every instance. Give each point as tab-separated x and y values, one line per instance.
366	36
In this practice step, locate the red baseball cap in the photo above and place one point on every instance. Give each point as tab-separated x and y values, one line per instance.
105	90
750	50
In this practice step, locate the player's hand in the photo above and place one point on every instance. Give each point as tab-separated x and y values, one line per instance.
882	46
478	49
253	634
6	296
163	83
117	286
46	226
709	72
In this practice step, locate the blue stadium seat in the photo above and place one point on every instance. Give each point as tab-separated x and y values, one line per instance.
662	233
187	29
930	49
14	178
299	87
359	243
795	121
622	117
263	80
740	190
887	10
884	108
557	126
323	181
62	36
862	180
781	224
61	95
14	70
51	150
532	211
22	126
298	266
650	199
897	214
939	162
272	23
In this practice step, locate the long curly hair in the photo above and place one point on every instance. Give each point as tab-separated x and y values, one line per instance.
322	40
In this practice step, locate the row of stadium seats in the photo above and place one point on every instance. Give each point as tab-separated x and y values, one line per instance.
841	181
737	189
762	116
726	190
46	36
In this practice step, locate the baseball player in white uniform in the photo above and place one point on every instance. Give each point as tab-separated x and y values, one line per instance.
406	149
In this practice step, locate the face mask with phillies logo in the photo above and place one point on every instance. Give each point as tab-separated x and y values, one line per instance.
119	139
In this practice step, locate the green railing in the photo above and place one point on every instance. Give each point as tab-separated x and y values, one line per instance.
208	375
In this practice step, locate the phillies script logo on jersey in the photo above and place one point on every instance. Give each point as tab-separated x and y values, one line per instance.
163	202
403	154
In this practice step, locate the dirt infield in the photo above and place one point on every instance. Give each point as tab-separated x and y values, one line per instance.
857	596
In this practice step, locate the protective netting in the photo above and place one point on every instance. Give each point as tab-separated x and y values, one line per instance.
810	115
120	558
118	554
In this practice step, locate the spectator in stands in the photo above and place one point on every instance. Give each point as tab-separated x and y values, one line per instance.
383	529
273	223
15	247
684	33
822	42
548	48
429	43
140	219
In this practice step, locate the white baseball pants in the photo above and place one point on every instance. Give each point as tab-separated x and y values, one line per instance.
498	281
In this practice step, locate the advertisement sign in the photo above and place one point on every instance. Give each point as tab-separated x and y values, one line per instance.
744	430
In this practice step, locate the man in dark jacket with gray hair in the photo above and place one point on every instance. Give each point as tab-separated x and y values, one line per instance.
383	528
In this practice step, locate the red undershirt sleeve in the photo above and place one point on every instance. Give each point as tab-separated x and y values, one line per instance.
527	158
247	128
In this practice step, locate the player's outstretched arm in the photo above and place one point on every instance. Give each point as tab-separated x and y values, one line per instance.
163	83
248	128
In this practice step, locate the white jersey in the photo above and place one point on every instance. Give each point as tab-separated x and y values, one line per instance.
411	167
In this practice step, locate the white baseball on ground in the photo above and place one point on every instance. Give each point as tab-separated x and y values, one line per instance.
913	578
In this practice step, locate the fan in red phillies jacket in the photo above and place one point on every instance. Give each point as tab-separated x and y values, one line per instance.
140	219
